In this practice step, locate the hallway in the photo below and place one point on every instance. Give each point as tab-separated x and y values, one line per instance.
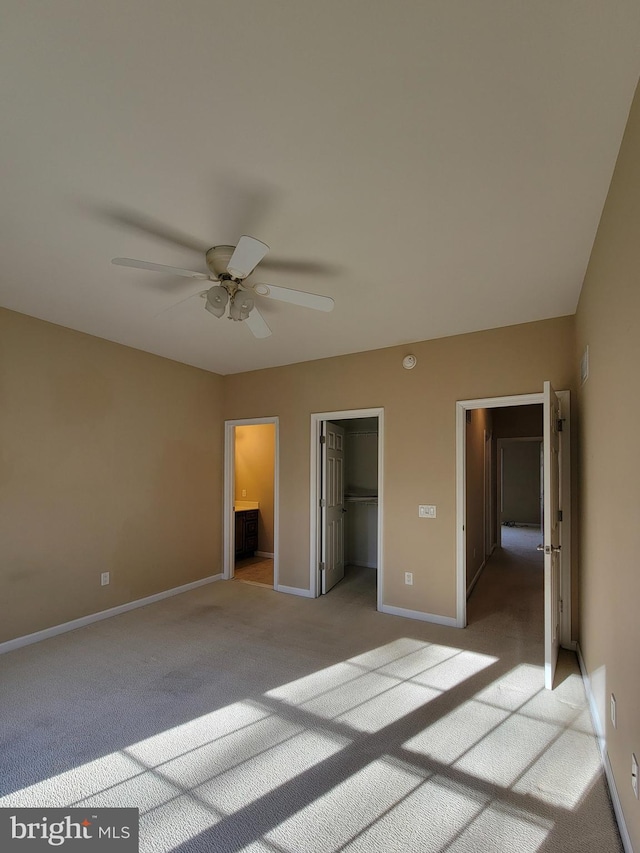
508	598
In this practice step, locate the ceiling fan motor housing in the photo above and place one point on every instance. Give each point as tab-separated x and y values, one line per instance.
218	258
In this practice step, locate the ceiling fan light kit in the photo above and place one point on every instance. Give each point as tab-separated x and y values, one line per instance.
217	298
240	307
246	257
230	266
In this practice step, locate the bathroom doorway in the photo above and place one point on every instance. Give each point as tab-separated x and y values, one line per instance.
251	501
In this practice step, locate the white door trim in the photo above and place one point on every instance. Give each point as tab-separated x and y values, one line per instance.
566	640
228	520
314	491
565	577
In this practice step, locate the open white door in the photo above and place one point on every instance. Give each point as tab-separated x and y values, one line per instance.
332	506
552	425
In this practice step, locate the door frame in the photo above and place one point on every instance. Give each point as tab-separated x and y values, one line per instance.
228	518
317	418
565	478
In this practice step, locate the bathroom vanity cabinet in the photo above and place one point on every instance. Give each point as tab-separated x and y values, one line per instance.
246	532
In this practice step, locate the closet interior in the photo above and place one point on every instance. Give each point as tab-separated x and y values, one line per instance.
361	492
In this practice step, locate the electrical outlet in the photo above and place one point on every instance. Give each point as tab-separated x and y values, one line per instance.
105	578
613	711
408	578
244	493
634	774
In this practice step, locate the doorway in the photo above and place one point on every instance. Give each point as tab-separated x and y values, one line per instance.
346	508
519	482
251	501
557	545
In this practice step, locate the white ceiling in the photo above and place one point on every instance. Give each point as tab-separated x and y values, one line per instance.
445	163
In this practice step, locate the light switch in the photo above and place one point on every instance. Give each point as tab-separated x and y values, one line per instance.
426	511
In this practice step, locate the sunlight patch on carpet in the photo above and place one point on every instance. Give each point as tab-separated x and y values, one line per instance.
256	778
486	773
373	690
351	807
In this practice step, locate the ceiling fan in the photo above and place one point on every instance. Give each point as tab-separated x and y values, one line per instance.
230	267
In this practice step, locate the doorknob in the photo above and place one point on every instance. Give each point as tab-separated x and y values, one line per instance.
548	549
540	548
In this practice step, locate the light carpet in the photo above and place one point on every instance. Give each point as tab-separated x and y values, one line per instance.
238	718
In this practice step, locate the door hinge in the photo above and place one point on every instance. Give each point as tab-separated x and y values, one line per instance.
559	515
321	566
561	606
560	422
323	503
323	439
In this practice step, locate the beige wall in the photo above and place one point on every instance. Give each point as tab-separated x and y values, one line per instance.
609	414
479	421
521	482
518	421
419	438
111	461
254	462
114	457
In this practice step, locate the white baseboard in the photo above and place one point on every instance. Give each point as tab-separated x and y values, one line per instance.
294	590
418	614
28	639
602	744
264	554
476	578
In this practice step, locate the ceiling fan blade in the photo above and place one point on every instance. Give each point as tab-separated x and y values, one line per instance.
257	324
180	302
246	257
148	226
246	203
296	297
300	267
147	265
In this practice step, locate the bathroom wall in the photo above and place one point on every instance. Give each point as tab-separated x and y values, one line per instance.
254	463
